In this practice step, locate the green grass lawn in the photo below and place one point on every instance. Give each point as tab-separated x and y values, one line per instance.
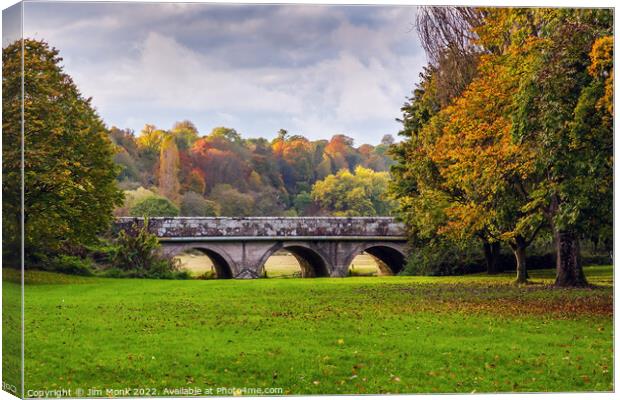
11	329
327	335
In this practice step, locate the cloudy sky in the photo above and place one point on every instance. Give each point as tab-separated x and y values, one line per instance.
313	70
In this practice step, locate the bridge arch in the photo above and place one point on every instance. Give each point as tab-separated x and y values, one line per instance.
222	263
313	264
390	258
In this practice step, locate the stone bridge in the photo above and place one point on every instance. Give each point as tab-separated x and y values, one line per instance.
239	247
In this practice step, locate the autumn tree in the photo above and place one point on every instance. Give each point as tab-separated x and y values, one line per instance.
150	138
478	160
341	152
149	147
169	164
221	160
272	173
265	163
195	182
424	195
69	174
447	36
295	159
526	143
594	120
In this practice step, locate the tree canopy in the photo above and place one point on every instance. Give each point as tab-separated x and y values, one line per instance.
262	177
361	193
525	146
69	172
154	206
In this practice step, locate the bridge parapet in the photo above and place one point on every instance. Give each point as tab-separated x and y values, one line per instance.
266	228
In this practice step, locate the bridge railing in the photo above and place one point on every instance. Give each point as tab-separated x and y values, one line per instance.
315	228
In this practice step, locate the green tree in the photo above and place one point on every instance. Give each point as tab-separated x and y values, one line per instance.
128	168
132	197
185	134
268	201
362	193
229	134
232	202
155	206
194	205
303	203
557	117
69	174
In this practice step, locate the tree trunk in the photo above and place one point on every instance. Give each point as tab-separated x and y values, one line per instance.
518	248
491	254
568	264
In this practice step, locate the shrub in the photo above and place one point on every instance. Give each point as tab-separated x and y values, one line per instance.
600	259
445	258
139	256
69	265
442	258
118	273
207	275
101	252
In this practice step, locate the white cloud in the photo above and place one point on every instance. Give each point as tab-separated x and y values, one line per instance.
355	87
167	74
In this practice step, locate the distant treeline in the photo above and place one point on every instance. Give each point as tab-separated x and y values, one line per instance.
181	172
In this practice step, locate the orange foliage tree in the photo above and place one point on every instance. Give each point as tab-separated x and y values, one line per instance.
478	159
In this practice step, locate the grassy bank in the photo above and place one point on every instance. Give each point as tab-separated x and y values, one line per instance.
329	335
